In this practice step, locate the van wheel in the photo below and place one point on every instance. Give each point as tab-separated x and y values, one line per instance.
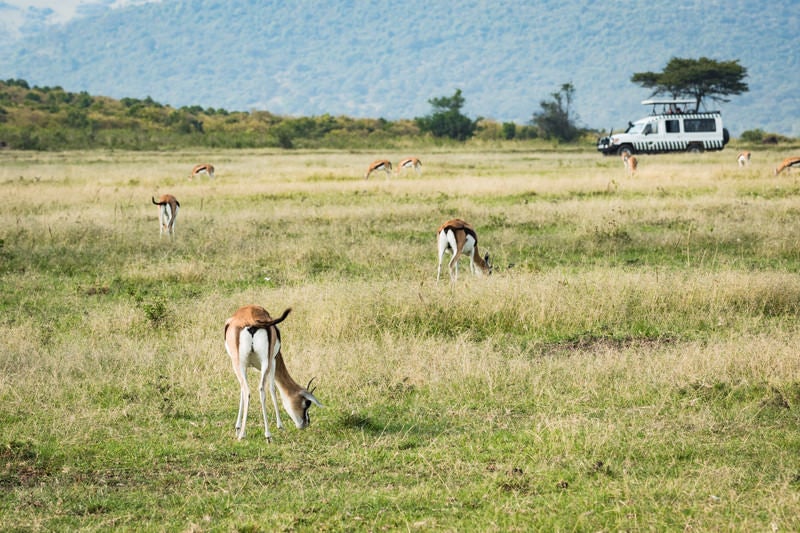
695	149
625	150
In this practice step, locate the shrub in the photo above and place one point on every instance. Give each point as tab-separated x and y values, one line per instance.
509	130
752	136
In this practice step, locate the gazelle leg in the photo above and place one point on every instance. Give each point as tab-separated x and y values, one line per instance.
274	396
263	396
241	418
454	266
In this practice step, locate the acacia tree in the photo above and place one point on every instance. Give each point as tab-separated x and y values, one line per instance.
447	119
696	78
555	120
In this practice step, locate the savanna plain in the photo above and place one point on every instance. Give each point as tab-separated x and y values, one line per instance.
631	363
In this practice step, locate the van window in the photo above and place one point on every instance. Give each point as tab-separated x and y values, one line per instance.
635	129
651	128
699	124
673	126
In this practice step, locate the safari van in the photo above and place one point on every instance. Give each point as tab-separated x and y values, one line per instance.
673	128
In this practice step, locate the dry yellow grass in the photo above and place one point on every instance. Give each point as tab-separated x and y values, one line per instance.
630	364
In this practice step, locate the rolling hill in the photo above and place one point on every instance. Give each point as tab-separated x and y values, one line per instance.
387	58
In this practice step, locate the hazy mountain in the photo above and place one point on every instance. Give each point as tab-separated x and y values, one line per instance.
386	58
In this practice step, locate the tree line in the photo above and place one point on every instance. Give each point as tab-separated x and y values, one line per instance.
50	118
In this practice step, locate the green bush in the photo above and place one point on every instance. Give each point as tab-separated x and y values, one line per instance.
509	130
752	136
447	119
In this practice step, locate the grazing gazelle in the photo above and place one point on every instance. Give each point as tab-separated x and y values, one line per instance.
168	211
203	168
460	239
381	164
789	162
409	162
743	158
630	162
252	339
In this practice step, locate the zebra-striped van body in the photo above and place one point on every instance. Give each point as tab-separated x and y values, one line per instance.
671	130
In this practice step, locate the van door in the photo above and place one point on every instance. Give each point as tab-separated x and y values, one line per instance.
654	136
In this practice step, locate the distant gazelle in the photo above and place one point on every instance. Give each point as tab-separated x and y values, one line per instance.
460	239
203	168
743	158
168	207
252	339
789	162
381	164
409	162
630	162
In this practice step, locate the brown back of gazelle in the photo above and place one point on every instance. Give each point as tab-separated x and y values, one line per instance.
789	162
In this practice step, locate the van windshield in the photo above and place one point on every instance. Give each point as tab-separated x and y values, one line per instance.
635	128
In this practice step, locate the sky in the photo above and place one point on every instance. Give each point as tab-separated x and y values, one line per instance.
62	10
54	11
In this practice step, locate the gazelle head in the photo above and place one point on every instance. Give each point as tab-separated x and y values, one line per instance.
298	404
488	263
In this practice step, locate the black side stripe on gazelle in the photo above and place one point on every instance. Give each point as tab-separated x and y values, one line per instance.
468	231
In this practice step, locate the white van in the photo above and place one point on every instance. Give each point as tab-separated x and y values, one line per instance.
672	129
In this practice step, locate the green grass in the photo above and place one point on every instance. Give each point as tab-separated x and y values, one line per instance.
630	365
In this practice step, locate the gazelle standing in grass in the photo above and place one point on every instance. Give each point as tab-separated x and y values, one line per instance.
630	162
460	239
252	339
168	207
789	162
743	158
380	164
409	162
203	168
